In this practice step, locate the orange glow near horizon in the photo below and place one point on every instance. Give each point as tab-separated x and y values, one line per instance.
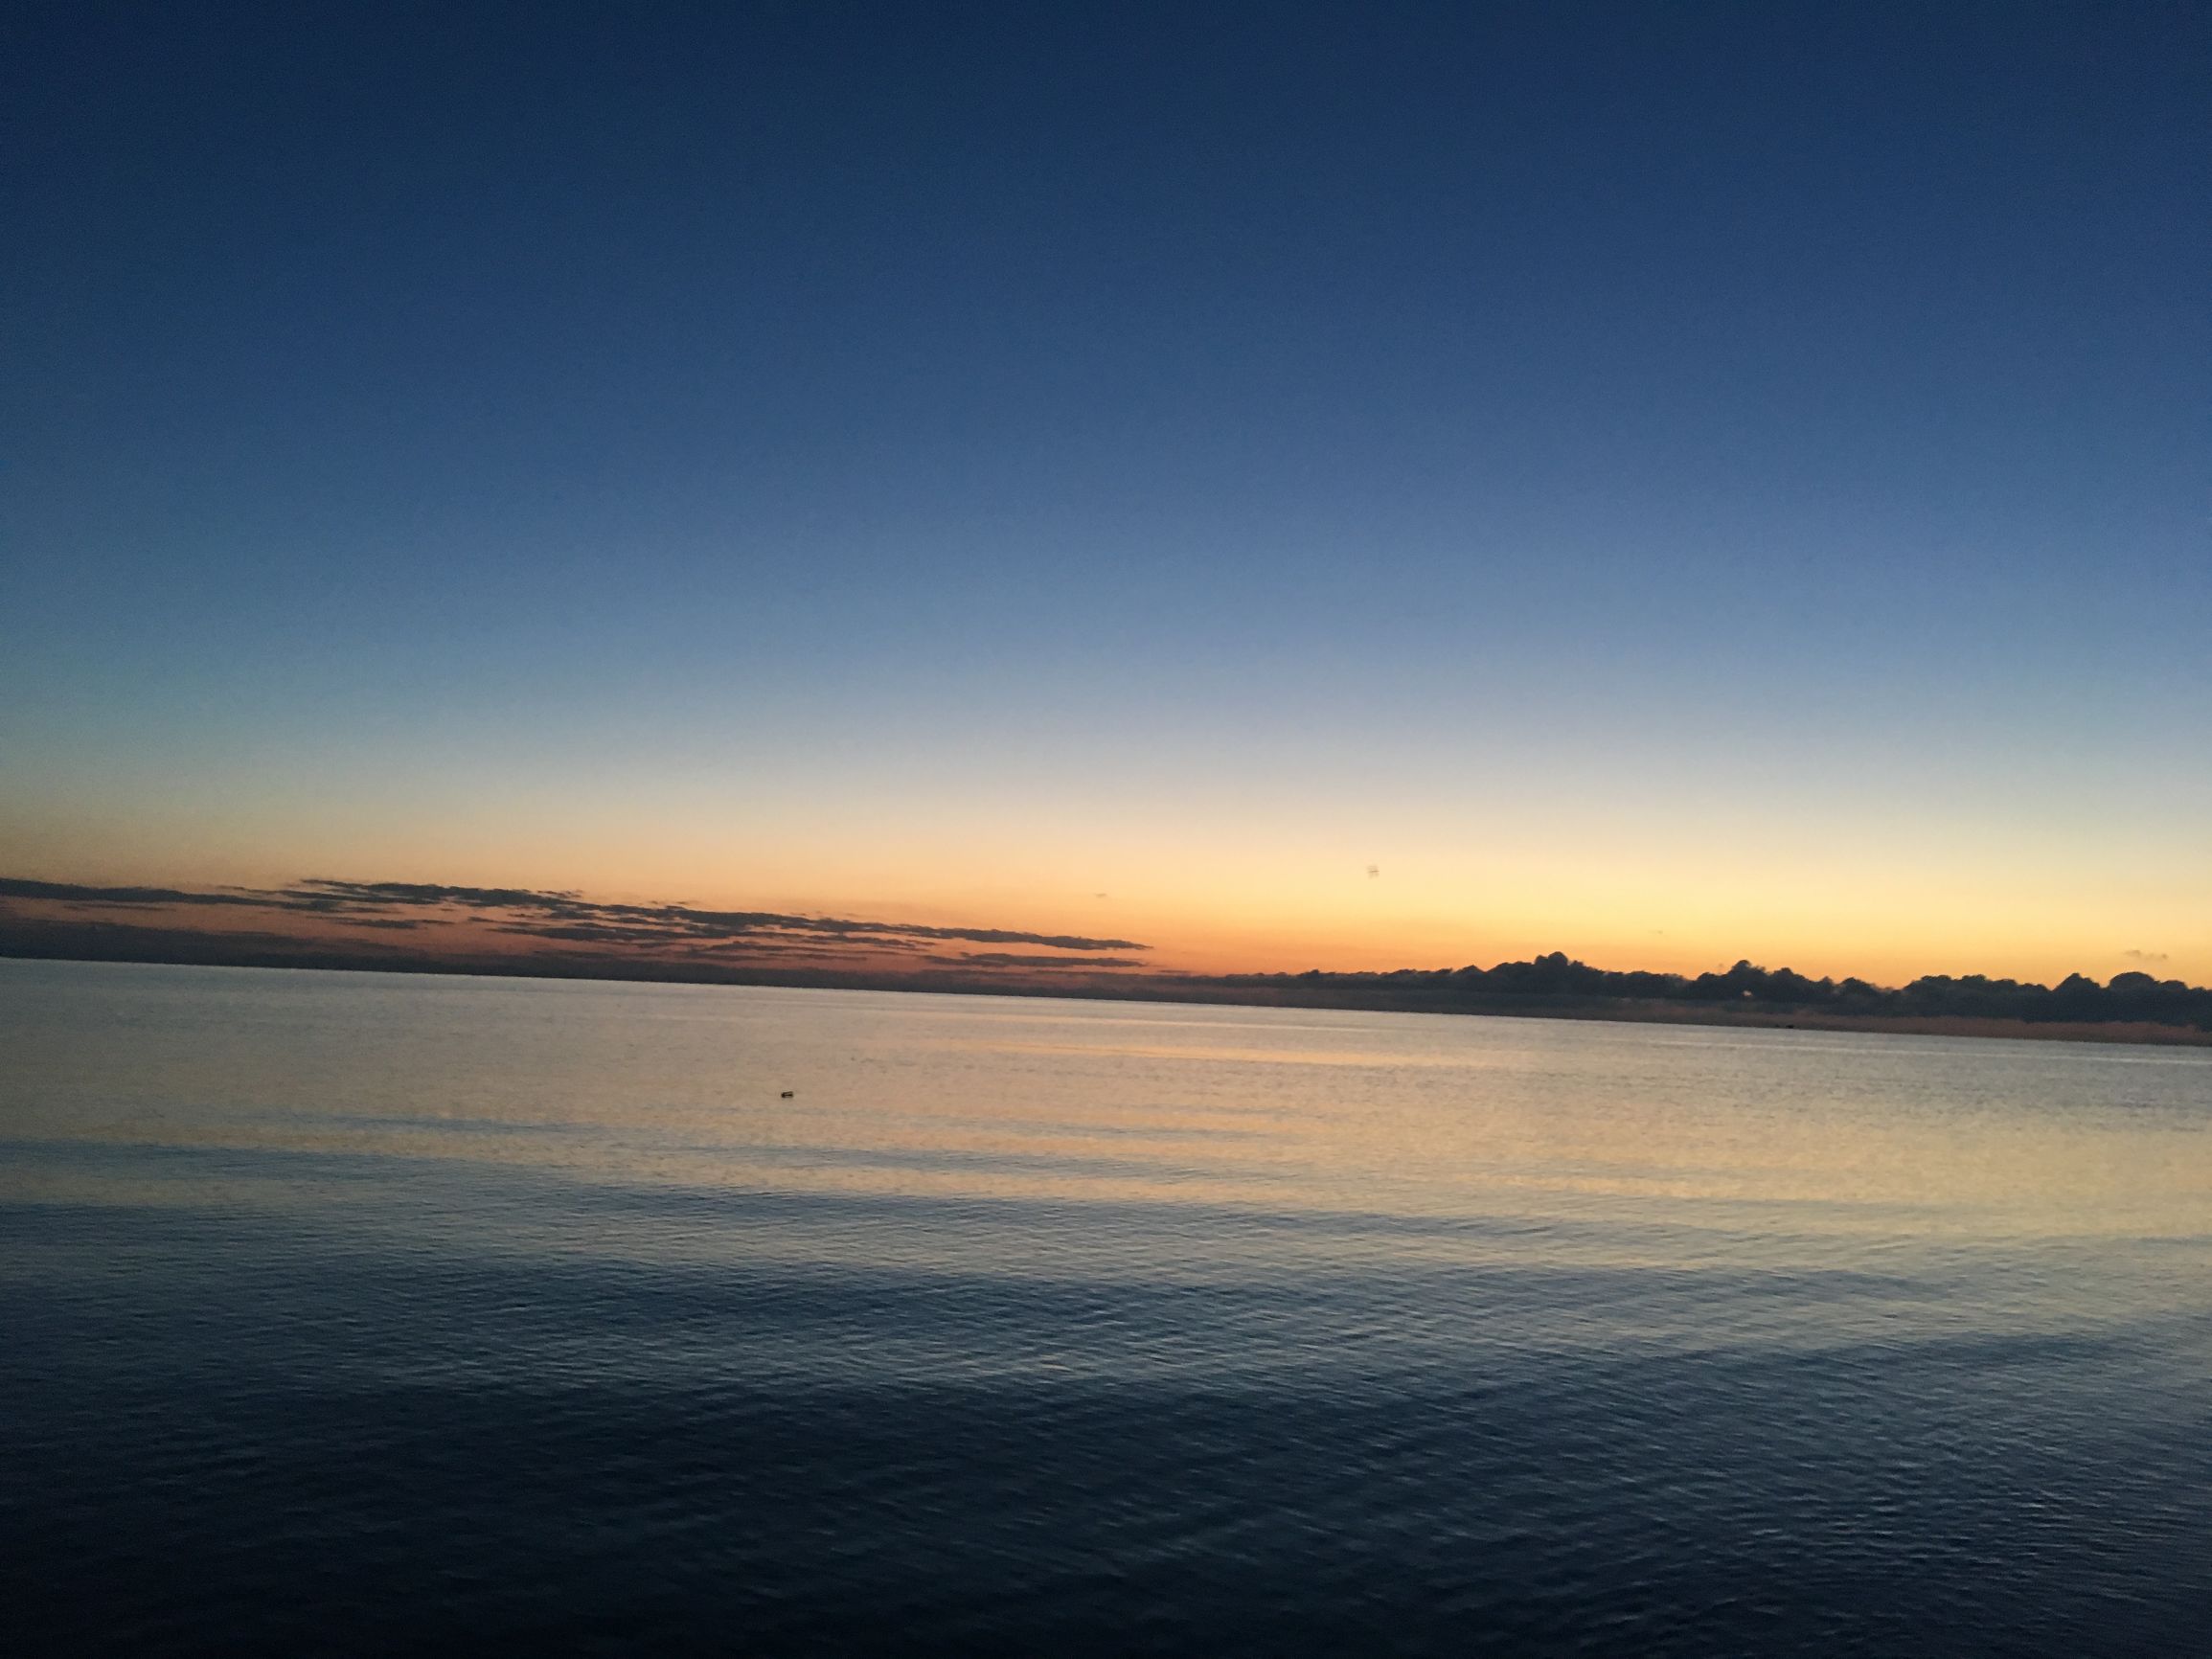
1216	885
1270	915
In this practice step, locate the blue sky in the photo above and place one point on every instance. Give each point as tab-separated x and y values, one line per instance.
1253	435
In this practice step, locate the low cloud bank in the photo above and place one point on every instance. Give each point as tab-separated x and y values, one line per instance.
327	913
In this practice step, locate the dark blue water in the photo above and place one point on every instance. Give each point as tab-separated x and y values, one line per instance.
359	1313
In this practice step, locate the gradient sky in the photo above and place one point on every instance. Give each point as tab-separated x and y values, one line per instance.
1667	483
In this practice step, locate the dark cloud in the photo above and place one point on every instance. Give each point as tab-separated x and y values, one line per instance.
671	921
70	893
133	941
562	918
766	940
585	932
1001	959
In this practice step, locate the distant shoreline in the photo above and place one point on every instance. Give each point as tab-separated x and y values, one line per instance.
1234	991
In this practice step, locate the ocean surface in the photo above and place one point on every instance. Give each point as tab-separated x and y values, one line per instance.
362	1313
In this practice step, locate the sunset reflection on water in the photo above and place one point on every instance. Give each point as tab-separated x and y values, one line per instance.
1454	1326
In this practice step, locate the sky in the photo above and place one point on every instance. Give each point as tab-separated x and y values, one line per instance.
1282	486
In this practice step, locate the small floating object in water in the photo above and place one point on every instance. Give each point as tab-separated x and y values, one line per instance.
786	1093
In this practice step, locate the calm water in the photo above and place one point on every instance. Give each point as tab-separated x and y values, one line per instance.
361	1312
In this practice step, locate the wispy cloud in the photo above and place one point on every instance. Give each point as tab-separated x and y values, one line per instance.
450	918
1004	959
68	892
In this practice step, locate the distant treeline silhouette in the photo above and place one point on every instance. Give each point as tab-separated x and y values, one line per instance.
1557	979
